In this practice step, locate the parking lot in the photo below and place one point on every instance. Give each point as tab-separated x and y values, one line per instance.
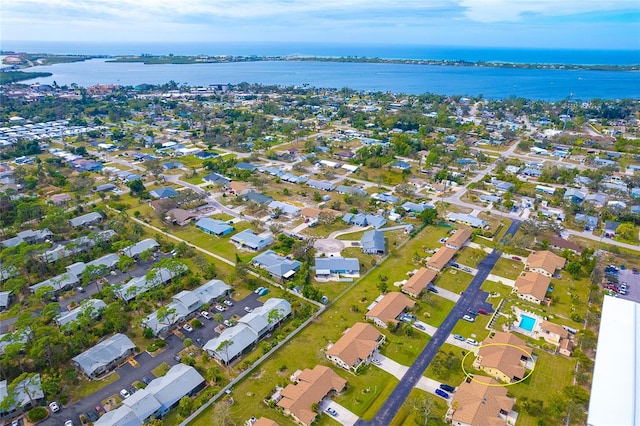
633	284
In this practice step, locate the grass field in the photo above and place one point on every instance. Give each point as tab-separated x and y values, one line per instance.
89	387
470	256
508	268
408	415
453	280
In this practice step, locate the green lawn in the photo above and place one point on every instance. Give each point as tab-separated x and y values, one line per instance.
435	311
507	268
89	387
470	256
408	415
453	376
306	350
477	328
161	370
453	280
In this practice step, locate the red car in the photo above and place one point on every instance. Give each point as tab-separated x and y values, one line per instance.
483	312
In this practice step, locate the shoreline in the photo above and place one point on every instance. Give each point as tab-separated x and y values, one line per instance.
27	60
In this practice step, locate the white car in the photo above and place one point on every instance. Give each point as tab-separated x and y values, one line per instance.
472	342
68	423
469	318
125	393
54	407
227	302
188	327
248	309
206	315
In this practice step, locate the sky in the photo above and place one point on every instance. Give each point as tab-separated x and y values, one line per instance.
578	24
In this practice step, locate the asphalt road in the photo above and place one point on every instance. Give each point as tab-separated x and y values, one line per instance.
129	374
473	298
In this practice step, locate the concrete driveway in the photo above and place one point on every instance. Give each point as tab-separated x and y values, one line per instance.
344	416
428	329
428	385
443	292
463	345
390	366
329	246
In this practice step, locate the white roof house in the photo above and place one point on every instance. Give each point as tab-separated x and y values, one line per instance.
92	307
240	336
105	355
615	393
24	392
140	247
85	219
183	304
139	285
59	282
211	291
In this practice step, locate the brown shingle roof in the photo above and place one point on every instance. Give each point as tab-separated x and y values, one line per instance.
356	344
554	328
480	403
564	244
459	238
419	281
263	421
533	283
237	187
504	356
313	385
391	305
545	260
440	259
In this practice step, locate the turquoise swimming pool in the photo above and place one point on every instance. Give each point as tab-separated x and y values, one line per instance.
527	322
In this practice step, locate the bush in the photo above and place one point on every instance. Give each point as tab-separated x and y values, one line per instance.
196	323
37	414
160	343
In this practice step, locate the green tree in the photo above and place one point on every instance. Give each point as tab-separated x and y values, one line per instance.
627	231
136	186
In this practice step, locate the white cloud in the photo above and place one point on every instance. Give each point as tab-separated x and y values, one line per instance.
515	10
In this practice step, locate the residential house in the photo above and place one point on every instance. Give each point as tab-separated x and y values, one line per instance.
90	307
574	195
419	282
532	287
265	318
566	347
373	242
466	219
544	262
65	281
596	200
247	239
180	217
590	222
170	165
350	190
155	277
505	357
385	198
104	356
181	380
321	184
610	229
139	408
553	333
231	343
237	188
441	258
18	397
60	199
214	226
245	166
258	198
182	306
216	179
388	307
311	387
356	347
86	219
164	192
29	236
285	208
212	291
562	244
458	239
135	250
549	190
263	421
5	300
277	266
326	267
410	206
481	401
401	165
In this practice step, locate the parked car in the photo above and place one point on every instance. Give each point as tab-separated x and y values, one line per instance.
635	271
442	393
469	318
227	302
146	380
419	326
258	290
227	323
92	416
100	410
432	289
458	337
263	291
376	361
80	289
54	407
473	312
623	292
331	411
177	358
483	312
124	393
447	388
248	309
187	327
68	423
472	342
516	258
206	315
220	308
199	342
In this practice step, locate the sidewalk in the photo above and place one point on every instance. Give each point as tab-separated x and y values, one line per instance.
502	280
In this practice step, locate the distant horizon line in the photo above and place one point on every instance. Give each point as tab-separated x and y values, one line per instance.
314	43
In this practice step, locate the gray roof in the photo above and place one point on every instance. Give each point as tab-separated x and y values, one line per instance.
256	197
28	389
344	189
245	166
164	192
286	208
105	187
58	282
214	226
79	244
277	265
386	198
139	285
466	218
416	207
85	219
241	337
18	336
321	184
179	381
91	306
28	236
337	264
140	247
104	353
373	241
211	290
251	240
4	298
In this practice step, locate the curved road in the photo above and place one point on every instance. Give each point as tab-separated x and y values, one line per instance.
474	298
